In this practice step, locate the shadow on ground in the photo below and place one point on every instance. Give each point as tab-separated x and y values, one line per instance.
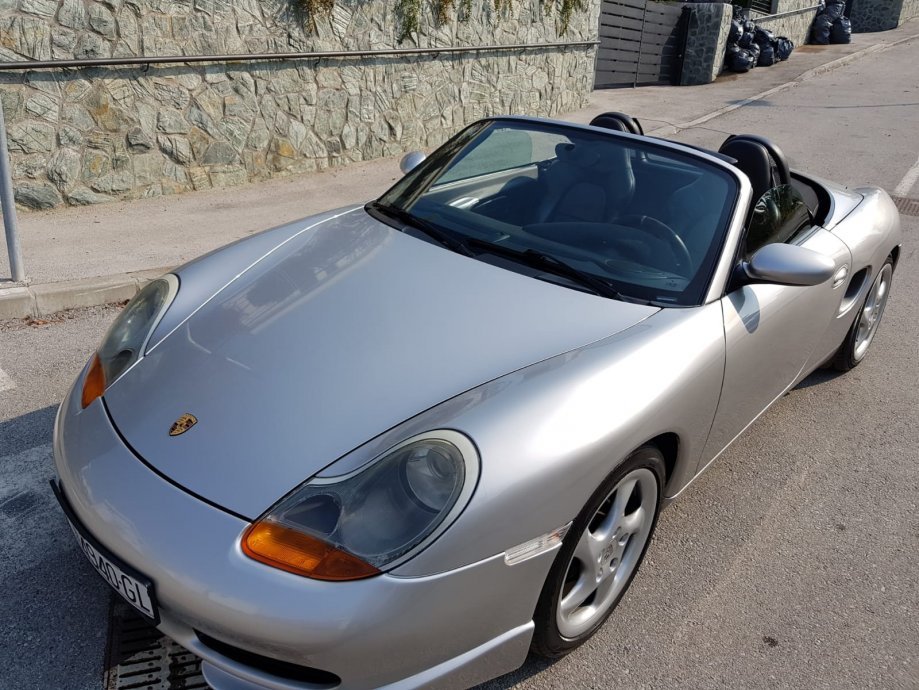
26	431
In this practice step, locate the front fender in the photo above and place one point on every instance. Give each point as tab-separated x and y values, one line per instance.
550	433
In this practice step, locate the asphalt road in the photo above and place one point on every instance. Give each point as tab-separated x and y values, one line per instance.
792	562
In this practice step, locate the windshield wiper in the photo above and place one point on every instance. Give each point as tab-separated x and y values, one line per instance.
530	257
550	264
427	228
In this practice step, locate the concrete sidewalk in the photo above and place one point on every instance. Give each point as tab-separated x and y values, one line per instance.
85	256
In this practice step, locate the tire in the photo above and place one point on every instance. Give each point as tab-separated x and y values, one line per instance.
861	334
615	546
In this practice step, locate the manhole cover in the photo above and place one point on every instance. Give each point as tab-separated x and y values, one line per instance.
140	657
906	206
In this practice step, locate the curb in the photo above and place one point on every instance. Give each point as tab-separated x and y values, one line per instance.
46	299
804	76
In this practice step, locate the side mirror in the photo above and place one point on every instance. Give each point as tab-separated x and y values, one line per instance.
788	264
410	161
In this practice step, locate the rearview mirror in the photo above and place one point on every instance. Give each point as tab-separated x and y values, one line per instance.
410	161
788	264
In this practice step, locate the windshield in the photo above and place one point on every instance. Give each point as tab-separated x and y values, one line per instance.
573	206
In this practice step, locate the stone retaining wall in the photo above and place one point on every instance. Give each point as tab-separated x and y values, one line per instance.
706	41
881	15
709	27
794	20
82	136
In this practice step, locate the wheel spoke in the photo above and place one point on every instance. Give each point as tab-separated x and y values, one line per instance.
588	549
614	518
582	589
603	589
632	522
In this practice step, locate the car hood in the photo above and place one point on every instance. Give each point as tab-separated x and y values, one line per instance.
339	334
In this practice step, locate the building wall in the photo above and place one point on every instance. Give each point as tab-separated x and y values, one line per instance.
706	41
794	20
881	15
81	136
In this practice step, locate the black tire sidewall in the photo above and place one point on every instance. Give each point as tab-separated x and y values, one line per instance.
547	640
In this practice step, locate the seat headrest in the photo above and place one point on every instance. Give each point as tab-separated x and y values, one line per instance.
783	174
754	161
578	156
617	121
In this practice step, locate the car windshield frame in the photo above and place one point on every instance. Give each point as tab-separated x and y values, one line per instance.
427	178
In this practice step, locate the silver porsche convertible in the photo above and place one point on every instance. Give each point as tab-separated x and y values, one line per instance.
402	444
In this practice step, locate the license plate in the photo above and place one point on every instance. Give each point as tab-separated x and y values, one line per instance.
136	589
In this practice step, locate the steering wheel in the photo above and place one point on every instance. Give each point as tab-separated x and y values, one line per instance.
663	232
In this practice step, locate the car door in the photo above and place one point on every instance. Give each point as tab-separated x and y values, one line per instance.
771	330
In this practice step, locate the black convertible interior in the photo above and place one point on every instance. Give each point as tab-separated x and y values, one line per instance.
643	213
760	159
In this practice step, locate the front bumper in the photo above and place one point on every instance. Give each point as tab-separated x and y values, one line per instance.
448	630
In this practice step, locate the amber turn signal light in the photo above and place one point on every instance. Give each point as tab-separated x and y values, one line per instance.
94	383
301	554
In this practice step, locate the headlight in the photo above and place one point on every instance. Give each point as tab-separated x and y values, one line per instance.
127	338
356	525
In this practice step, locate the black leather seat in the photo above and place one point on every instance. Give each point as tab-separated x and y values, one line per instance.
590	184
617	121
760	159
754	161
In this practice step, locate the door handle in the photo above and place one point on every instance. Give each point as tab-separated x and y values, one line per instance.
839	278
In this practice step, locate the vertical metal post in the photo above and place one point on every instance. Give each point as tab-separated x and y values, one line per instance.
9	208
641	40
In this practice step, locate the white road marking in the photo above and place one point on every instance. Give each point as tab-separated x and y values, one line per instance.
6	383
909	179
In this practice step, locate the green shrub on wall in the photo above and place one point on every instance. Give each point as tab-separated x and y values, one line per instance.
566	8
409	12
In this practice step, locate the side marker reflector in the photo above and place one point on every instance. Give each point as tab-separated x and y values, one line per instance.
535	547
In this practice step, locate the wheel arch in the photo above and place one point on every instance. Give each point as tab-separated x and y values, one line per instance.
669	445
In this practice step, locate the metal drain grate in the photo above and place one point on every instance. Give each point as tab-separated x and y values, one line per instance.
140	657
906	206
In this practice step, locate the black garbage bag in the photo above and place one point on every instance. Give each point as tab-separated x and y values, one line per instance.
739	60
736	31
746	40
783	48
748	26
754	53
842	31
763	37
766	56
835	10
821	31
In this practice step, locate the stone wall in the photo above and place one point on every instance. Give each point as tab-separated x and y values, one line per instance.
881	15
706	41
791	19
82	136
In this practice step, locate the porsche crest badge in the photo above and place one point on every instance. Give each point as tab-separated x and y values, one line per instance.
183	424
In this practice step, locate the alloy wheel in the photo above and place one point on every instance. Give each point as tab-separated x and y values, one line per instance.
870	317
607	553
